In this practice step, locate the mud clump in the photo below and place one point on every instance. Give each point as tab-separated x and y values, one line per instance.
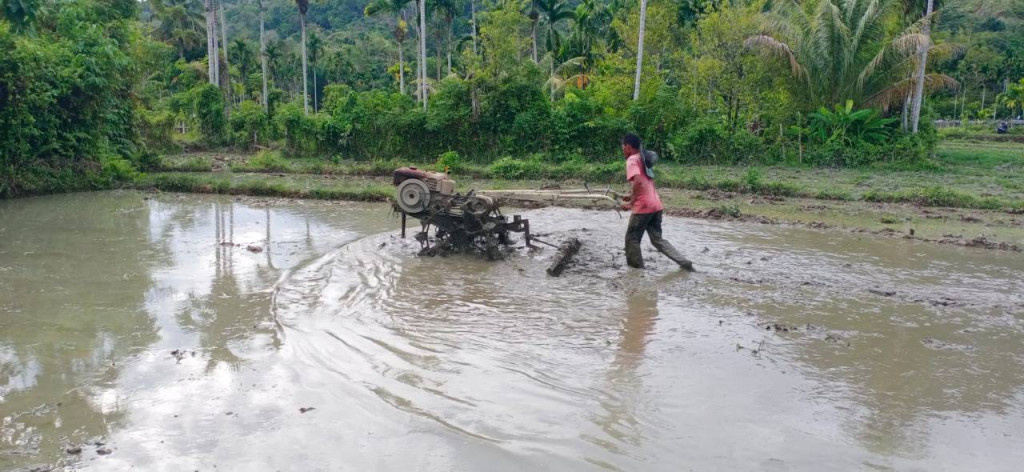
937	345
882	293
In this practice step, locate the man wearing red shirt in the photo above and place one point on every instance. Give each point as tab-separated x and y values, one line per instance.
646	208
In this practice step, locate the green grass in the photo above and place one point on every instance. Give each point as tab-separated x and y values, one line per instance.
964	175
192	164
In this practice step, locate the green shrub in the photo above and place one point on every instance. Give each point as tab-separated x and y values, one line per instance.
512	169
249	125
449	162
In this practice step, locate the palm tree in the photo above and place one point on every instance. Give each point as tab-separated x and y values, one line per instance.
534	16
423	52
397	9
844	50
179	23
21	13
316	49
213	64
571	72
1013	97
303	8
448	9
921	63
227	62
640	49
245	58
263	58
553	12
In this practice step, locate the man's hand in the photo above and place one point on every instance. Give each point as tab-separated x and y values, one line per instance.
626	206
626	202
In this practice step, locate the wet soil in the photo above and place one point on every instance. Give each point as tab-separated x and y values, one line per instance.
146	329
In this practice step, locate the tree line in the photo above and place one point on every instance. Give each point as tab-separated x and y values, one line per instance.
830	82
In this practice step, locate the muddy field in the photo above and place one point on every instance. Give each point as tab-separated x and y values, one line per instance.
192	332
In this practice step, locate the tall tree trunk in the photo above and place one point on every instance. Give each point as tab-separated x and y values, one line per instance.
552	76
640	48
401	70
305	83
449	20
922	60
263	60
437	51
314	87
983	90
533	34
906	106
472	9
227	62
216	44
423	52
211	56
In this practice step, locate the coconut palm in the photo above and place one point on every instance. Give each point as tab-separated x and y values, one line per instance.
569	73
395	8
844	49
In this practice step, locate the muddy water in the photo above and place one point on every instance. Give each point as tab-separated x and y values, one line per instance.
189	332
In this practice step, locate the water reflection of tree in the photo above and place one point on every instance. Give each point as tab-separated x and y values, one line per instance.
229	314
73	311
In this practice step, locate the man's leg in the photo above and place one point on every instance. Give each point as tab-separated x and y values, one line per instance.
663	246
634	233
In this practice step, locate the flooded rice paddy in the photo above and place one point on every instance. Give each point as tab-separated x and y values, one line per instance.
181	332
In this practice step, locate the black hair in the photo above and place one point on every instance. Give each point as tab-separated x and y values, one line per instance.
632	140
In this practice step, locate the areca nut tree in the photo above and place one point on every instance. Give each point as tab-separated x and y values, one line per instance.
640	49
263	57
423	52
303	8
397	9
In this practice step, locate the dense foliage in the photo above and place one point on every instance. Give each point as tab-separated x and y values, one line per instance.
90	89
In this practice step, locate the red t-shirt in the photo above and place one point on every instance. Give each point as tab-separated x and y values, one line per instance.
645	197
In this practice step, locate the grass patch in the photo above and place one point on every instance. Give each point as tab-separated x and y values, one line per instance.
266	161
936	197
358	191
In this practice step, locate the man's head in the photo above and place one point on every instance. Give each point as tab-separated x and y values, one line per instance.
630	144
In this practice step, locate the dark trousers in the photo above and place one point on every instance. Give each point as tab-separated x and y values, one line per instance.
651	223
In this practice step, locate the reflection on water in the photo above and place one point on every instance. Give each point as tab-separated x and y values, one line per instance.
790	350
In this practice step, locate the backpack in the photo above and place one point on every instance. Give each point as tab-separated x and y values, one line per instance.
650	158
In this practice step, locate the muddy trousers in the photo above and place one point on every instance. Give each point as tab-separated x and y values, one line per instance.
651	223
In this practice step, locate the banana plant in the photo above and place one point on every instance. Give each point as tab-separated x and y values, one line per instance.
847	126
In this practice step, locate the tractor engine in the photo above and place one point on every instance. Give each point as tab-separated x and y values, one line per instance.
462	222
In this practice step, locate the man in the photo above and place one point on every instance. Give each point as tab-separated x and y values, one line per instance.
646	208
